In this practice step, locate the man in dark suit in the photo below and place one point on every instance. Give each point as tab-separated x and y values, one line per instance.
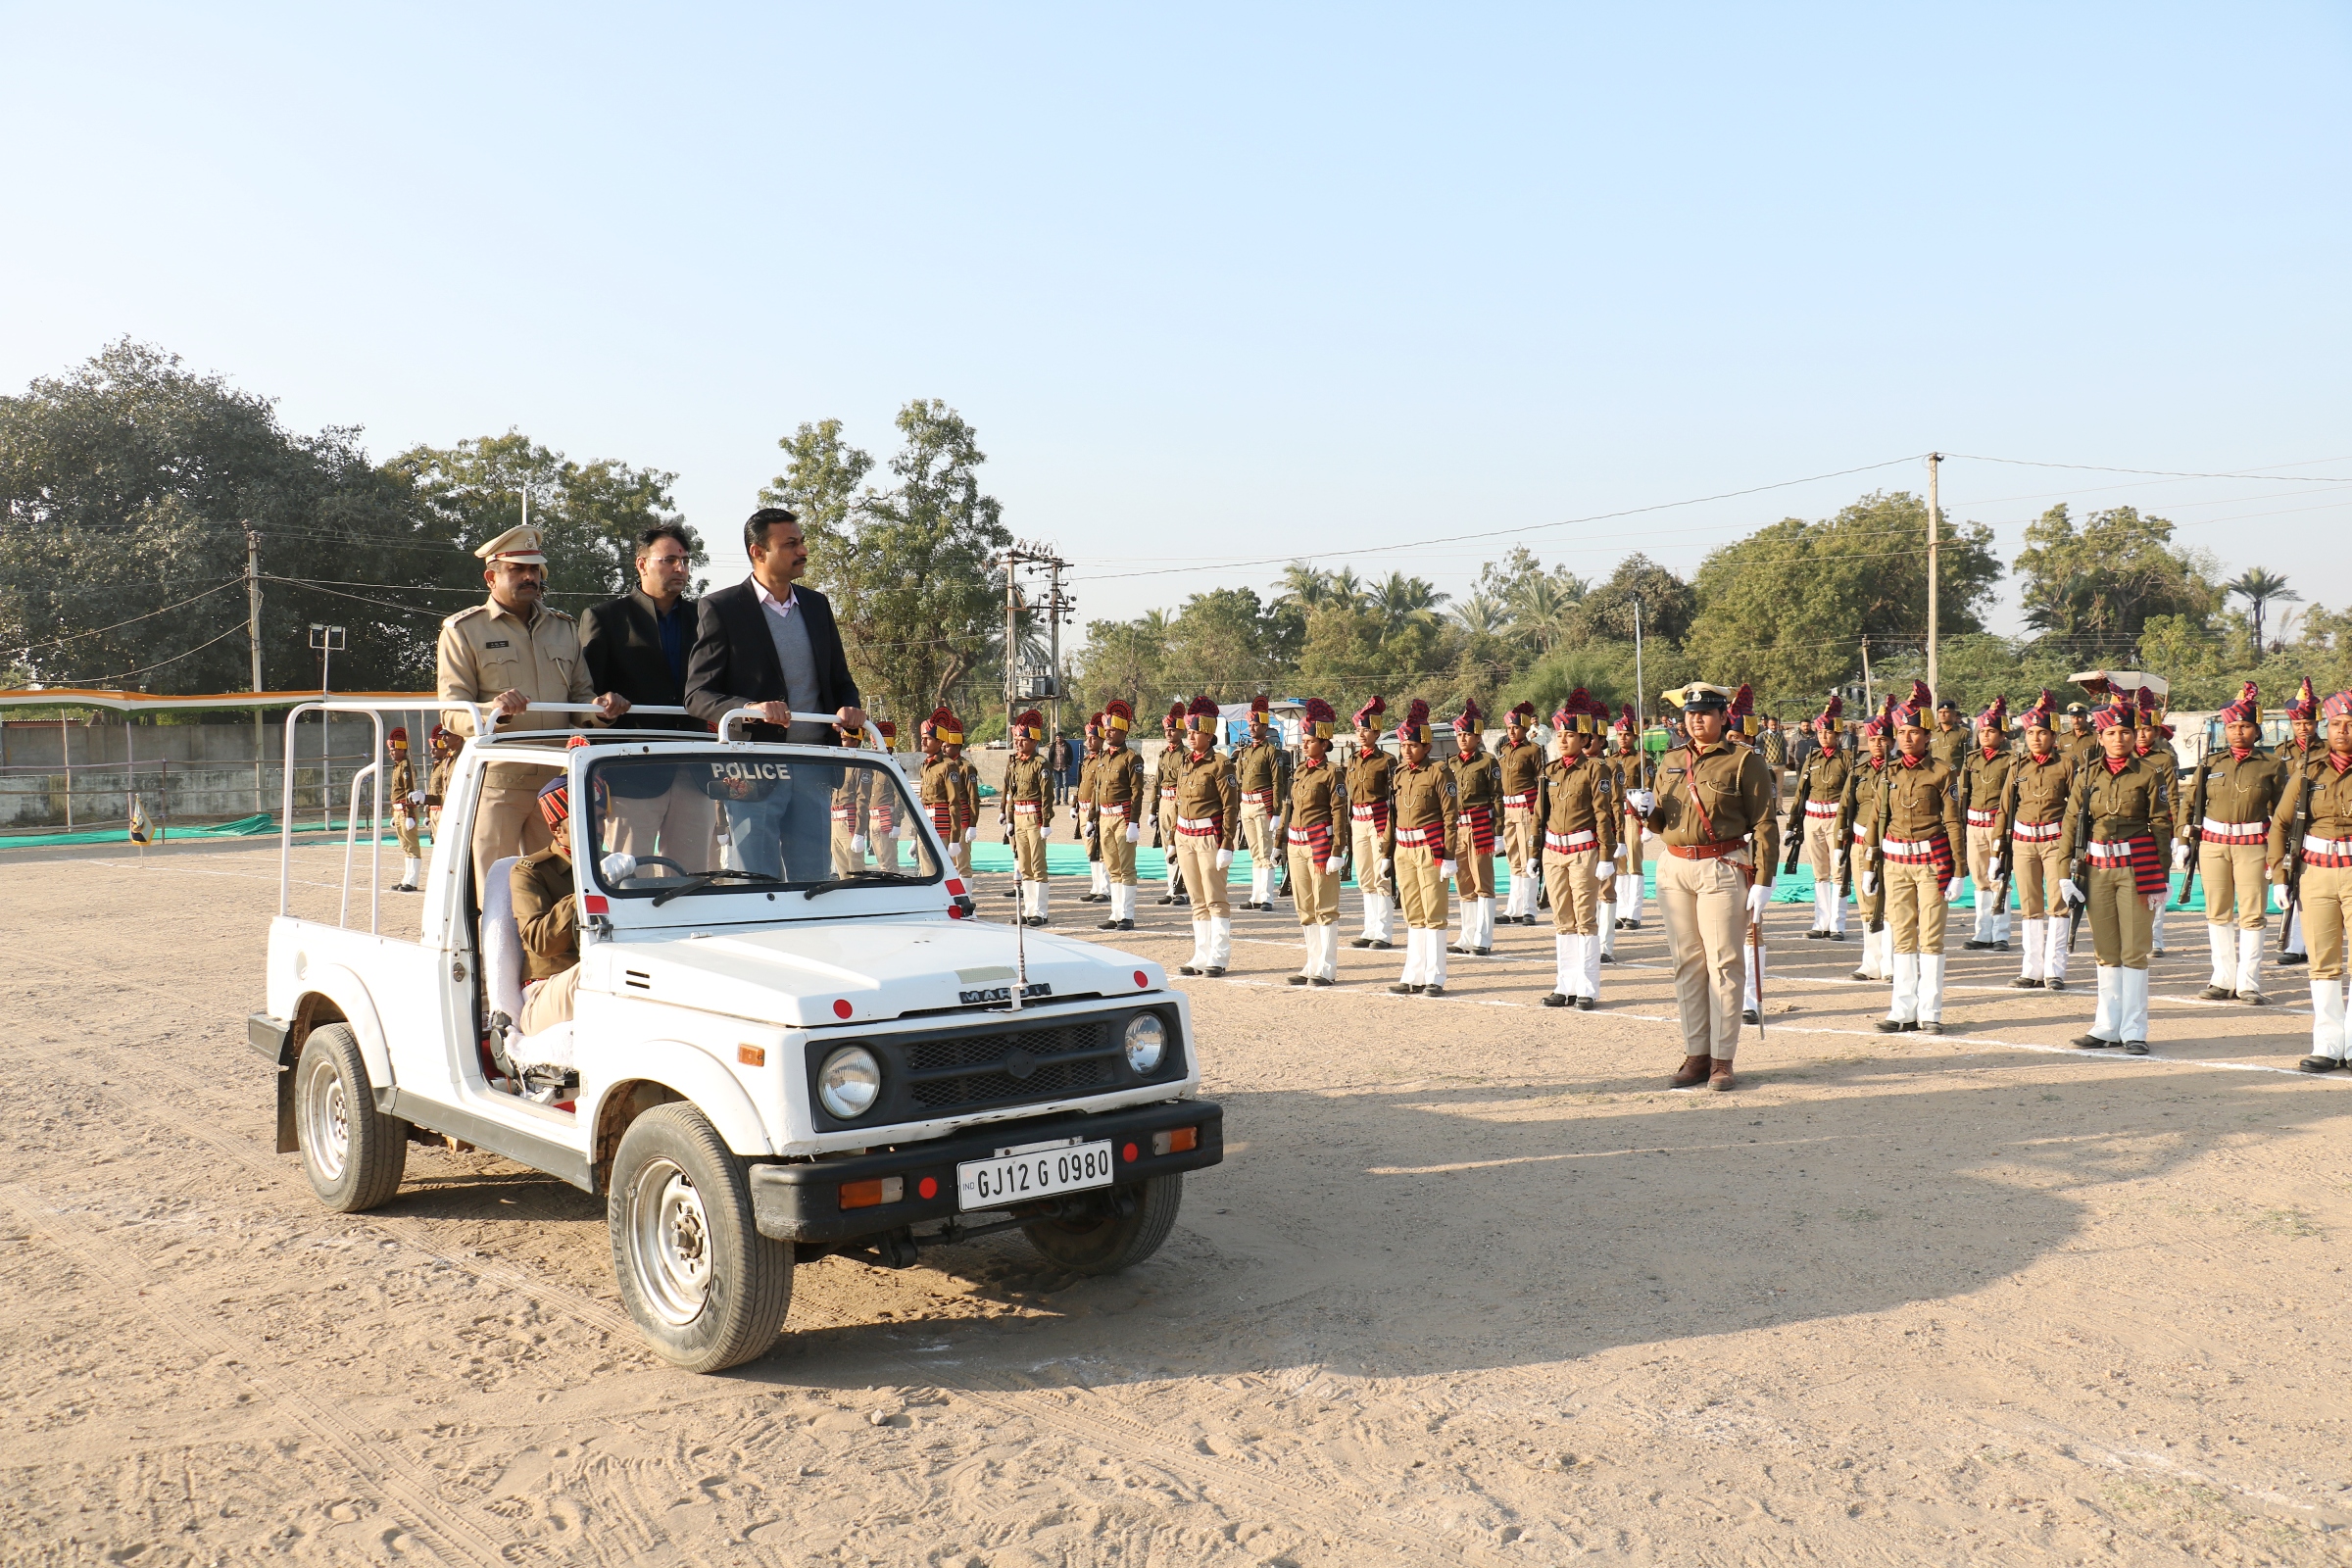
772	644
637	645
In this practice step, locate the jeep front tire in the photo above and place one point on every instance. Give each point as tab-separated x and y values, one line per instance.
706	1287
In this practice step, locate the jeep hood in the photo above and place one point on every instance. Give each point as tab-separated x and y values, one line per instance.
857	971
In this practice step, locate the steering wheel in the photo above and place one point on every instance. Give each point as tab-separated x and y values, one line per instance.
662	859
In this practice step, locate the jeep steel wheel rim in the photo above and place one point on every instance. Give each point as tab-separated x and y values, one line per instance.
327	1119
669	1243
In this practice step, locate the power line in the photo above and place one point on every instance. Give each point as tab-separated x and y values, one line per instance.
2172	474
34	648
125	675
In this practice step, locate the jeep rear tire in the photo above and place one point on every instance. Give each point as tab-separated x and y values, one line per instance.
352	1154
1114	1242
706	1287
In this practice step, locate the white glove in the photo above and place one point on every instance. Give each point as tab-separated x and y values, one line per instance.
1384	866
970	833
1331	866
1757	897
1605	870
856	844
2180	855
1951	890
2155	903
1870	884
619	866
1224	858
2068	892
1643	801
416	797
1445	869
1135	833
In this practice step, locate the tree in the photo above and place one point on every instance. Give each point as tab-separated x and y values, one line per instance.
1668	604
2260	588
911	569
126	486
2096	586
1786	606
1400	601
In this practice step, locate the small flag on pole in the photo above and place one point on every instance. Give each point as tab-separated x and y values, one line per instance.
142	829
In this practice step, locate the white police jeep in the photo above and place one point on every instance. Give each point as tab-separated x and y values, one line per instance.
785	1041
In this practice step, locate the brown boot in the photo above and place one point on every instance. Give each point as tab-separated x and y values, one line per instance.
1692	1072
1720	1079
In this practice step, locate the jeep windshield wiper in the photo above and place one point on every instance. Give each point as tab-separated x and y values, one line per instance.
856	877
696	884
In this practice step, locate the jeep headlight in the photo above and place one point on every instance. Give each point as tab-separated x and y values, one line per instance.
1146	1043
851	1081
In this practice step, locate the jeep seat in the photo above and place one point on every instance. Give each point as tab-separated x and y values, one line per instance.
502	973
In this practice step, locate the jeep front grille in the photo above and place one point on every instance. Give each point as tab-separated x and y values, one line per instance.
1008	1068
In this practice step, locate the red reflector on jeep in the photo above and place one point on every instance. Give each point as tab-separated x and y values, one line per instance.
1131	1153
956	886
928	1187
1180	1141
597	903
868	1194
842	1009
1143	980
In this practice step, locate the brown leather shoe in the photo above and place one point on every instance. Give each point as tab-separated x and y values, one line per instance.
1691	1073
1720	1079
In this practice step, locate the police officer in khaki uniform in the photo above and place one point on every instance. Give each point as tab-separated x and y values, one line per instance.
1714	814
1634	782
443	748
1087	811
1813	811
1478	802
1371	781
1166	776
1207	821
1949	742
1983	781
407	807
1915	855
1260	767
2304	749
2081	742
1520	761
1578	812
2033	811
1120	800
506	653
1857	820
1315	846
2232	800
547	915
1419	845
2313	828
1026	812
953	806
2120	869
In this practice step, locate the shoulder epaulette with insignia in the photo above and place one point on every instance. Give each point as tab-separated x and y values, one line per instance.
470	609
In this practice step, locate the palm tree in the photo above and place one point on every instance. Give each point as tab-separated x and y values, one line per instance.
2053	605
1308	586
2260	588
1482	615
1400	601
1541	609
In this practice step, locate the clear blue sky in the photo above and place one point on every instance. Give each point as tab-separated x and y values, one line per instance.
1222	284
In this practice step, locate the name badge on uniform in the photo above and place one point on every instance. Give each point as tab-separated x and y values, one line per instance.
1672	771
501	643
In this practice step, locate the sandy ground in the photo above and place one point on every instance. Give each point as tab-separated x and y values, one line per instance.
1472	1287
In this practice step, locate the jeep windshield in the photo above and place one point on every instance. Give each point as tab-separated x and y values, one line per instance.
685	824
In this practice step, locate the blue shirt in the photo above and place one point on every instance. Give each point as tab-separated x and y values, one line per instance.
677	629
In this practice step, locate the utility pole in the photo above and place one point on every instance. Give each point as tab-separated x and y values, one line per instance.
1031	555
1057	607
326	639
1934	538
1870	702
1641	694
253	640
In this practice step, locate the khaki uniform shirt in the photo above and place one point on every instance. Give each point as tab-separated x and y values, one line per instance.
2304	758
1824	776
1371	777
1734	792
2229	790
1025	779
1984	781
1258	767
1084	795
2080	749
1315	800
1916	802
2037	789
436	783
944	784
546	914
486	648
1119	781
1522	767
1581	797
1207	790
1424	798
1859	806
2324	799
1948	746
2122	806
400	786
1478	781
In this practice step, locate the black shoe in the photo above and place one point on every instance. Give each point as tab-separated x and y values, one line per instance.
1035	919
1555	998
1931	1027
1170	898
2319	1064
1400	989
2136	1047
1361	941
1480	952
1860	974
1975	947
1911	1028
2053	985
404	887
1608	958
1431	991
1297	980
2090	1042
1187	970
1014	893
1382	946
1817	936
1456	947
1889	1026
1748	1015
2001	945
1108	926
2025	983
1213	973
2290	960
1839	936
2216	993
1318	980
1585	1004
2253	999
2155	953
1633	926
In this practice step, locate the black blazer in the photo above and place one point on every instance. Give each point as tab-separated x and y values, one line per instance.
622	645
734	660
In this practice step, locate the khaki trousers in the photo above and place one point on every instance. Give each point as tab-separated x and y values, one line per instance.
1474	873
1363	850
1029	848
506	822
2123	928
549	1002
679	824
1316	890
1420	890
2234	883
1629	849
1984	856
1575	892
1257	831
1519	838
845	858
403	828
1915	908
1821	847
963	859
2327	895
2039	868
1118	856
1198	858
1704	903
